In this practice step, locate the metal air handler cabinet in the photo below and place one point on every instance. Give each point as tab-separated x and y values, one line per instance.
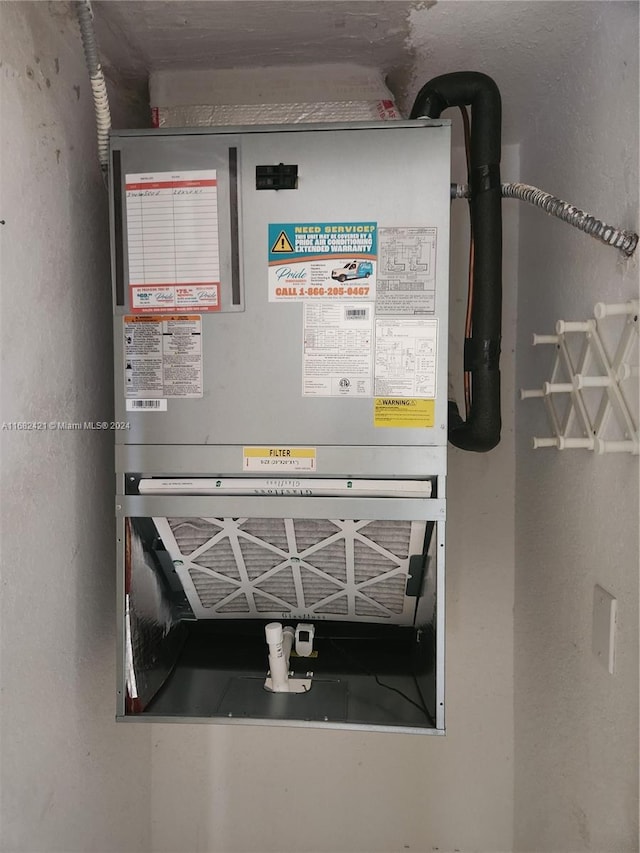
280	327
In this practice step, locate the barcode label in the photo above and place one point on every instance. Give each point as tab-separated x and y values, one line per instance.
147	405
356	313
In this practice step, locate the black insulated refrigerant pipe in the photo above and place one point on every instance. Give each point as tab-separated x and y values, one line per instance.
481	430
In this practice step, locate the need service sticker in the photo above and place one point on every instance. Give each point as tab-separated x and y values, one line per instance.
322	260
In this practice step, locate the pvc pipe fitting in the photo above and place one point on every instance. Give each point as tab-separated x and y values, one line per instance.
287	643
604	309
626	371
545	442
575	443
563	326
278	664
580	381
557	388
615	447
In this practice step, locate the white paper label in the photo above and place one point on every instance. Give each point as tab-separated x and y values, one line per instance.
338	349
172	241
406	357
162	357
146	405
407	271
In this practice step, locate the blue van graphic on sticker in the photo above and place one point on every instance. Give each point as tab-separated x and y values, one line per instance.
353	269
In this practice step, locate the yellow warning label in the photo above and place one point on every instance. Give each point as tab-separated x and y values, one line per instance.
403	412
282	244
278	459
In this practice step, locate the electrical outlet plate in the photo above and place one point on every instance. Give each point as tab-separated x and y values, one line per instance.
603	640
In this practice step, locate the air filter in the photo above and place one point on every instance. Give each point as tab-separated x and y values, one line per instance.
294	568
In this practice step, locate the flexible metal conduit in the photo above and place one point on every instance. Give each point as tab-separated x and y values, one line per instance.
481	430
98	84
619	238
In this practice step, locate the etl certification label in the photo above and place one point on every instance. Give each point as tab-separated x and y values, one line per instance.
271	459
322	260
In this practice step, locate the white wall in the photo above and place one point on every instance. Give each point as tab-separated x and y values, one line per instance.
576	726
72	781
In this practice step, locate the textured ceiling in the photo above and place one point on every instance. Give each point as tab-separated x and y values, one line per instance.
234	33
526	46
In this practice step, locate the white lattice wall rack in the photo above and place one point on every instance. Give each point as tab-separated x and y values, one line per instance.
591	396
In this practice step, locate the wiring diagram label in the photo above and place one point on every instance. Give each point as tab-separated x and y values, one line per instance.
162	359
338	349
406	281
322	260
172	241
406	357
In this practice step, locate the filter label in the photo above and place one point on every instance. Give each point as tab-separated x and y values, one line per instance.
278	458
322	260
